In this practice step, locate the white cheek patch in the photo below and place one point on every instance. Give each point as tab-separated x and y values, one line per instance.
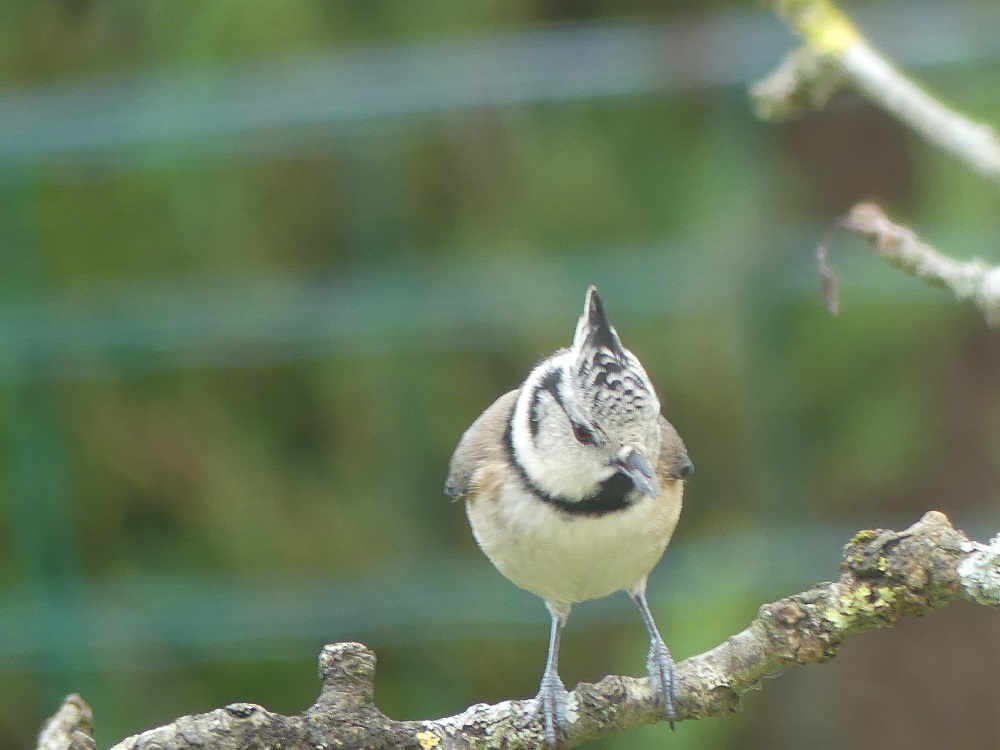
572	476
559	466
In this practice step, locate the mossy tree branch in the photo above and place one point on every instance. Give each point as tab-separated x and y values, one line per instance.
885	575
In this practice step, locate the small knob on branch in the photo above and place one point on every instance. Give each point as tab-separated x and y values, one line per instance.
348	673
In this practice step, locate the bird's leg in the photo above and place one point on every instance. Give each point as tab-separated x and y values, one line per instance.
552	693
659	663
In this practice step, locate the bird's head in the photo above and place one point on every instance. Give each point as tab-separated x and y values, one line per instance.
588	414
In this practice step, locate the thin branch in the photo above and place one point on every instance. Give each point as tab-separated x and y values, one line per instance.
971	142
835	53
973	280
885	575
827	278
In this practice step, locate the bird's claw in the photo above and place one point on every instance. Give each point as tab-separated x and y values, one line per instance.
552	705
663	678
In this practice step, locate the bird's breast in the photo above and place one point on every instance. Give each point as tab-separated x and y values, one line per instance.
569	558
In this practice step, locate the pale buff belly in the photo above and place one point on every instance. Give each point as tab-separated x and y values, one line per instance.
569	559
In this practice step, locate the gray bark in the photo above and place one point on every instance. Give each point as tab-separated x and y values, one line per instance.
885	575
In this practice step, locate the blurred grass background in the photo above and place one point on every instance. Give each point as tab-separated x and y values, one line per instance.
263	263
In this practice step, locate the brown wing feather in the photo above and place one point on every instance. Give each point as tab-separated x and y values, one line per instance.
674	461
482	443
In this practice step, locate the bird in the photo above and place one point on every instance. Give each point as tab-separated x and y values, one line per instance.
572	484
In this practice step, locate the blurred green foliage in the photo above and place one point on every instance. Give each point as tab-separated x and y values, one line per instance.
200	470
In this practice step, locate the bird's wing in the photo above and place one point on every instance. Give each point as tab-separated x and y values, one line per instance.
674	461
483	442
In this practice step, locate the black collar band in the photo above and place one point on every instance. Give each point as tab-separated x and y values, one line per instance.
611	496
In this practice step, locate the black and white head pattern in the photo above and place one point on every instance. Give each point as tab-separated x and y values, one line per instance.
581	413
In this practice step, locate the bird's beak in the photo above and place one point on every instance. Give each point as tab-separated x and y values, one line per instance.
636	467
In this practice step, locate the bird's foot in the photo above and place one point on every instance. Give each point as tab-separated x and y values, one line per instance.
663	678
552	705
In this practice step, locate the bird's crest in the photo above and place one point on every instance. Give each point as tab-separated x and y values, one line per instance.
613	381
593	331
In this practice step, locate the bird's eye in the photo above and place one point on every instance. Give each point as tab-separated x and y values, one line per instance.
582	434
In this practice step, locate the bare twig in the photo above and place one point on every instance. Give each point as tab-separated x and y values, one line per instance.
835	52
970	280
971	142
827	278
886	575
